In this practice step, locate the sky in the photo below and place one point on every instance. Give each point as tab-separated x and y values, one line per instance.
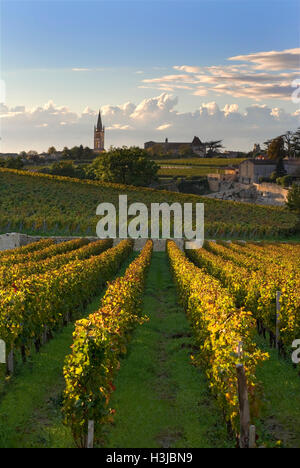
217	69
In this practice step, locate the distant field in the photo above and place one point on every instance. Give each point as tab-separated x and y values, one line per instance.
41	203
212	162
184	171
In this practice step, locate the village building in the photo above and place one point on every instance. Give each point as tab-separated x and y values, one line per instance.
251	170
196	146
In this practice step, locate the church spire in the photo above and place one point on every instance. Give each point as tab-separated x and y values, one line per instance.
99	134
99	123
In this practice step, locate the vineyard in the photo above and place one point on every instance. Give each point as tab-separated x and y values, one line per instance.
177	170
211	163
108	347
36	203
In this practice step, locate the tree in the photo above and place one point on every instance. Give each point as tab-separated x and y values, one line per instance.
276	149
35	158
51	150
129	166
77	152
186	150
288	143
66	153
276	152
267	144
280	169
293	201
14	163
291	144
156	151
295	144
88	153
63	168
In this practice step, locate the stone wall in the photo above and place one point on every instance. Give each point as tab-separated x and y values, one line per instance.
13	239
263	194
272	191
215	181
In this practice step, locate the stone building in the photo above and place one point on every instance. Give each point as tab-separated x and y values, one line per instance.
99	133
251	170
196	146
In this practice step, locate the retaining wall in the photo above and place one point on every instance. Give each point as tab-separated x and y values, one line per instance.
14	239
272	191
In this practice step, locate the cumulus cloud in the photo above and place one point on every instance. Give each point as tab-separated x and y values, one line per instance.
263	75
230	109
132	124
154	109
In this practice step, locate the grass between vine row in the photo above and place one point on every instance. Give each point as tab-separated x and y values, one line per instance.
279	421
161	400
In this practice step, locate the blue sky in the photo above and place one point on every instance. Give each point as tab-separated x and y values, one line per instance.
82	55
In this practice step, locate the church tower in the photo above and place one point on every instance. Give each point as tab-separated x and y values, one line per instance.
99	132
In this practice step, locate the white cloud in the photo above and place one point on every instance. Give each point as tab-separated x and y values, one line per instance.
288	59
154	109
187	68
209	108
81	69
132	124
172	79
230	109
264	75
119	127
164	126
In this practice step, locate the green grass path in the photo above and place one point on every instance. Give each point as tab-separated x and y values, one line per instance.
161	400
279	420
30	404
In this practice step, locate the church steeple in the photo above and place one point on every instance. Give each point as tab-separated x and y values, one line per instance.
99	123
99	132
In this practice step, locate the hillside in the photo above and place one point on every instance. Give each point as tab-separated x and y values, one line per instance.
37	203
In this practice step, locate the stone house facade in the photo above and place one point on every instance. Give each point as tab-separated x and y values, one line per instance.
196	146
251	170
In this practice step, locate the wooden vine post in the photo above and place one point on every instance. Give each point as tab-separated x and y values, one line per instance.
244	406
277	335
45	335
247	432
10	363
